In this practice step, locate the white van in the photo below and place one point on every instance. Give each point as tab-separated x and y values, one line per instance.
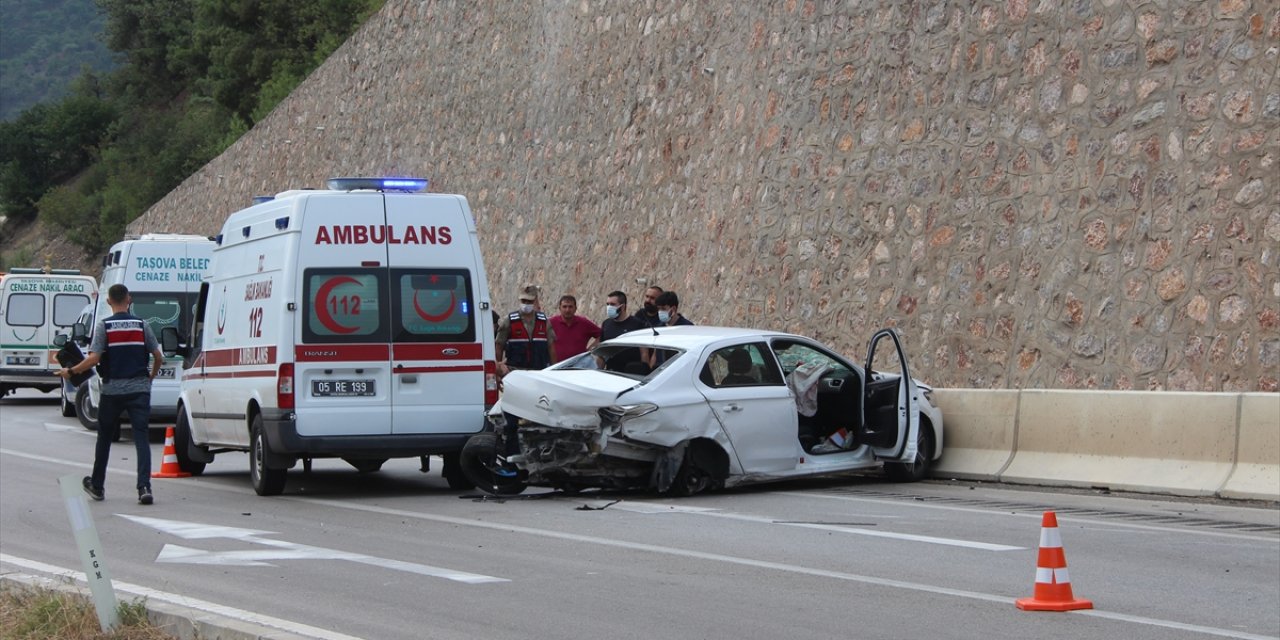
352	322
163	272
34	307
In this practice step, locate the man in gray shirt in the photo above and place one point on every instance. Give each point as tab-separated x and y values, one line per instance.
122	343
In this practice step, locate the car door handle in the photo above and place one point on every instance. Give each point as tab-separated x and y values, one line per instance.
731	407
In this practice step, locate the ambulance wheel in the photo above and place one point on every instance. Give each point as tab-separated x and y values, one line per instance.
182	440
479	461
266	481
453	474
68	405
365	465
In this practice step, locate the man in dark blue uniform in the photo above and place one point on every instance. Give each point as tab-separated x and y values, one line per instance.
123	341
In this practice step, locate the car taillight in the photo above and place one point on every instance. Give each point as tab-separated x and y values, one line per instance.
490	383
284	386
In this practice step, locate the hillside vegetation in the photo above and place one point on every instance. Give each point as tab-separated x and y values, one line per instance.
193	77
45	45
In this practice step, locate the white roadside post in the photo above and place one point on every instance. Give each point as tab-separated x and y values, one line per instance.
95	566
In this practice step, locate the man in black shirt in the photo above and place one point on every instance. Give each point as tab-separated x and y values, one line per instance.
616	323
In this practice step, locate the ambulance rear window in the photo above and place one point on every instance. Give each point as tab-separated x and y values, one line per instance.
432	305
66	307
25	310
344	305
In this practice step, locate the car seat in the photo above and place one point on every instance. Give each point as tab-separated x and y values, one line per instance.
740	369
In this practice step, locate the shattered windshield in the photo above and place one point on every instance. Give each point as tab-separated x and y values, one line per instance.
631	361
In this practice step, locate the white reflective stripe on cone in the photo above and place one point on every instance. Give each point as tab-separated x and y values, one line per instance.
1050	538
1052	576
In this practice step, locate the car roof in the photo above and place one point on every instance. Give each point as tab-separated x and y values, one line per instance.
691	337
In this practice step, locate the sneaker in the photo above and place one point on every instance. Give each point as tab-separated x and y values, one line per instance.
96	494
144	496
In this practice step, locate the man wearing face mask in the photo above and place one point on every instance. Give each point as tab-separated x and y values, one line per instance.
525	338
616	323
649	313
668	316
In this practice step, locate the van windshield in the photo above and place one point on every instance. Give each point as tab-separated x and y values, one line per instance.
163	309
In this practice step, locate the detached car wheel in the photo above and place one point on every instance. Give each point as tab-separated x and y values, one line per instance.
453	474
266	481
917	469
479	462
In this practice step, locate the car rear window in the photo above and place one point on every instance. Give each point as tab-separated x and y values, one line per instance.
25	310
66	307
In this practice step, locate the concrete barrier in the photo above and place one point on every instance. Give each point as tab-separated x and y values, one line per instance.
1178	443
979	428
1256	475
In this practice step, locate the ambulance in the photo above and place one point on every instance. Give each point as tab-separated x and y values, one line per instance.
351	322
163	272
36	305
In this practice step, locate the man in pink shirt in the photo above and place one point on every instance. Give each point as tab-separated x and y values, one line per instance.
574	333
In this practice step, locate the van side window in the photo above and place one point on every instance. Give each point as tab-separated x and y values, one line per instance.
25	310
432	305
344	305
66	308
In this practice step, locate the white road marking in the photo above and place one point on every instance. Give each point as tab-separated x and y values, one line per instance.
1110	525
1168	624
283	550
183	601
764	564
649	507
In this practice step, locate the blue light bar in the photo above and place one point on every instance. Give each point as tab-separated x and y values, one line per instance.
262	199
409	185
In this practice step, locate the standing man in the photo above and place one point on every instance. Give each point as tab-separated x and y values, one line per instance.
616	323
649	313
525	337
668	316
669	310
574	334
123	341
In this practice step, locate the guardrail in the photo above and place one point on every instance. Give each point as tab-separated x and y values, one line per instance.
1189	444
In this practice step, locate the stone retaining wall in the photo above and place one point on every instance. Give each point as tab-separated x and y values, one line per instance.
1076	195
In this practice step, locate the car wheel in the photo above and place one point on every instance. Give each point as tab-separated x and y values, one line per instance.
918	468
68	405
181	442
479	461
453	474
690	479
85	410
266	481
365	465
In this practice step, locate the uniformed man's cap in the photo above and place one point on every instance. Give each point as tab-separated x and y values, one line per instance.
529	293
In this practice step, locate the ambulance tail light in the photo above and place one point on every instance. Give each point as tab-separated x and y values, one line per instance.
284	386
490	383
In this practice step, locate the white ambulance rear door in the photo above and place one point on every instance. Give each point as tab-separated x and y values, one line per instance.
342	356
435	281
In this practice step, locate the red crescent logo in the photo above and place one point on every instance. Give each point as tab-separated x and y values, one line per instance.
436	318
322	296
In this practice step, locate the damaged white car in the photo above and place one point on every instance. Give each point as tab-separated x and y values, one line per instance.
723	407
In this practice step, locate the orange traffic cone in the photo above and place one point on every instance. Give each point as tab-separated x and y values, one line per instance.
169	467
1053	585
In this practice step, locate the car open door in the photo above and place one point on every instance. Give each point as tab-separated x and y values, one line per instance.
891	406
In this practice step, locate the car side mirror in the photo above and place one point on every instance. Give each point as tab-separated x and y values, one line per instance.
60	340
170	343
79	332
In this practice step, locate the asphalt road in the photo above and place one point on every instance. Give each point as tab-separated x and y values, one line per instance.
397	555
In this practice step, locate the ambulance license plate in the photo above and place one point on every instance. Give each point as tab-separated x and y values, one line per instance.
341	388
